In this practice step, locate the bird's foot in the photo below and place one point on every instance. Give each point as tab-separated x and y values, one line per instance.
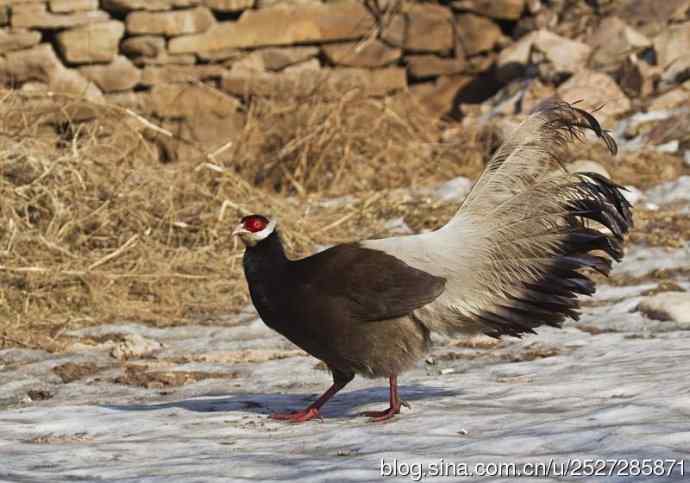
298	416
377	416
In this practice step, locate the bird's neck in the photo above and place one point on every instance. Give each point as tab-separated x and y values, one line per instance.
266	257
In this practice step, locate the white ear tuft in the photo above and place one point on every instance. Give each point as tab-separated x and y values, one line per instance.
265	233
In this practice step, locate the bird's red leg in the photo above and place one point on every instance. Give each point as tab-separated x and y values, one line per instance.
312	411
395	404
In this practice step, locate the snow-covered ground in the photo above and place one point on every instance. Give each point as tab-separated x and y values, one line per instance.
613	386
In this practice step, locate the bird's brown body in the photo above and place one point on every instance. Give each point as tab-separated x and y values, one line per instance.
343	325
513	258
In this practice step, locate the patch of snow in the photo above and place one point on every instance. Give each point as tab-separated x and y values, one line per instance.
669	147
133	346
670	192
667	306
397	226
613	293
454	190
613	385
608	396
633	195
640	260
637	119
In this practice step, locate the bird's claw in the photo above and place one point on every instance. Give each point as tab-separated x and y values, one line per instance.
378	416
298	416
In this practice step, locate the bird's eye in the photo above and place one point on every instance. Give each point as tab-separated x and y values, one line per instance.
255	223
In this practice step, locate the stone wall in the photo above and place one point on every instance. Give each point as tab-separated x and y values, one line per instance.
178	60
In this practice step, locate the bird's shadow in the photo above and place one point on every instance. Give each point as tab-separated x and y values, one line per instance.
342	405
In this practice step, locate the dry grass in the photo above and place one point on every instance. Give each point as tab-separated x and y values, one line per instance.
643	169
664	227
95	229
351	145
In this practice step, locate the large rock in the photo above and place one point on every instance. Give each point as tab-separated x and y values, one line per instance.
151	50
252	62
477	34
81	103
256	28
186	100
519	96
308	65
393	30
175	22
429	28
18	39
36	64
439	98
36	16
566	56
143	45
678	97
139	102
672	43
636	77
534	93
273	3
667	306
41	64
229	5
69	6
119	75
201	135
595	90
308	82
273	59
371	53
153	74
72	83
613	41
220	55
97	42
152	5
677	72
165	58
649	16
280	58
500	9
421	66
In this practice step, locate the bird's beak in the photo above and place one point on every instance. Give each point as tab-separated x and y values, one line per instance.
239	230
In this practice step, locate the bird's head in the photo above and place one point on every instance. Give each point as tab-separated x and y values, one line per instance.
254	228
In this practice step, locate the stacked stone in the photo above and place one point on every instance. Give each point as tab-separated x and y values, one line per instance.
244	47
184	60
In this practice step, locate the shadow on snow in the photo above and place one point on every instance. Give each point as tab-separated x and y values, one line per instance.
341	404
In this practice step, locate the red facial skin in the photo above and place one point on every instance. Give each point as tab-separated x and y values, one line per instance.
254	223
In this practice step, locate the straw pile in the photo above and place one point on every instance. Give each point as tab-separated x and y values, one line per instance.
95	229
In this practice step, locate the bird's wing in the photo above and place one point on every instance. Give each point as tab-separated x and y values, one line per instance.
512	255
367	284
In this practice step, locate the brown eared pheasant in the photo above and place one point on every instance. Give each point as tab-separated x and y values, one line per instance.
514	257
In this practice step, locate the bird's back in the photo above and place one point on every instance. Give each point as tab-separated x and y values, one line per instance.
346	305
